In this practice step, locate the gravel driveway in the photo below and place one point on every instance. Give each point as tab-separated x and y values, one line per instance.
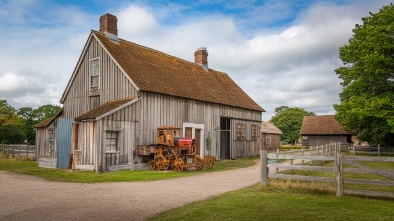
30	198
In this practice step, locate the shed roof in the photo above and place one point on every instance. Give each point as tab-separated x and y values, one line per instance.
270	128
321	125
104	109
48	121
155	71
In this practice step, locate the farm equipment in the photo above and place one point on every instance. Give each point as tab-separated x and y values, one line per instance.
174	152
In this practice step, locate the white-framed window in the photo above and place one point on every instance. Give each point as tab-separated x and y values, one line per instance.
94	73
268	138
240	131
305	137
253	132
111	141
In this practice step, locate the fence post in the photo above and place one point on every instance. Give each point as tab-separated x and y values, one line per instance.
302	153
378	150
310	150
338	173
354	149
263	167
277	152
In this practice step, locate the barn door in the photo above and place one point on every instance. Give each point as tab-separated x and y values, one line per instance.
64	143
224	138
198	140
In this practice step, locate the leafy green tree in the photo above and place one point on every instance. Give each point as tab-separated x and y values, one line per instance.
367	99
33	116
26	113
289	121
11	126
45	111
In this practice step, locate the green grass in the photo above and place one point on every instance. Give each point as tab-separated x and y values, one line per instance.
277	203
379	165
31	168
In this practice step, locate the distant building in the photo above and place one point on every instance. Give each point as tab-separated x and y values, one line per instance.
270	136
320	130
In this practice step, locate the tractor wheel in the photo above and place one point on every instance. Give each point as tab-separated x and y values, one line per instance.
179	164
152	164
162	163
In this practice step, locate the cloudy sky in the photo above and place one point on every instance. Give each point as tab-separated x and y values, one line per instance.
280	52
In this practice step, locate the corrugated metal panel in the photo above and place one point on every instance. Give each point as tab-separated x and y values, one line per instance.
64	143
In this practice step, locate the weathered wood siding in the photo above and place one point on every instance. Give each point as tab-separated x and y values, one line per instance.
113	83
159	109
42	140
87	142
317	140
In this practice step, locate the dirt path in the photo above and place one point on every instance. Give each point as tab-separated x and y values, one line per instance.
29	198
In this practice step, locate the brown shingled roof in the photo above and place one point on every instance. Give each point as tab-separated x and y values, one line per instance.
321	125
270	128
155	71
103	109
46	122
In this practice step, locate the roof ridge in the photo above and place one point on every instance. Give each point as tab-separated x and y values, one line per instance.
160	52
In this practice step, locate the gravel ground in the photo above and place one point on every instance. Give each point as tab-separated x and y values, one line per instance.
30	198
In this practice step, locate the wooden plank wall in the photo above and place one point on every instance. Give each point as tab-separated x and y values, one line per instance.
159	109
42	139
112	81
87	142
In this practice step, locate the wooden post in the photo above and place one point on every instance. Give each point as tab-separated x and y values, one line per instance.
354	150
378	150
302	153
338	173
263	168
317	150
310	150
277	152
27	151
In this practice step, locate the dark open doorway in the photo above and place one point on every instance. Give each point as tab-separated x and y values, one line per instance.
224	138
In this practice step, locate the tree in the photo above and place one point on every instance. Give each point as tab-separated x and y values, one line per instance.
33	116
26	113
367	99
289	120
45	111
11	126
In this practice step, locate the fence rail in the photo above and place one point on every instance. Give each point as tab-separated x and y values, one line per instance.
29	151
327	153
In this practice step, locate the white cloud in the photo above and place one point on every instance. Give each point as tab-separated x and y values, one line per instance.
10	82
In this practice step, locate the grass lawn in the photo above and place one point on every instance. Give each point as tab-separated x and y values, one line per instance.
31	168
276	203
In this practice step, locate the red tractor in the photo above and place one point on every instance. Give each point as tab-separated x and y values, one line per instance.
174	152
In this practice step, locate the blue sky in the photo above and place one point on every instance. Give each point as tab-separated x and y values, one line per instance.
280	52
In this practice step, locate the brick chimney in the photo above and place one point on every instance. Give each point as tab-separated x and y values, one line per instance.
201	57
109	26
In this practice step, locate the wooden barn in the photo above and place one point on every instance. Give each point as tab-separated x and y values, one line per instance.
120	92
270	136
320	130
